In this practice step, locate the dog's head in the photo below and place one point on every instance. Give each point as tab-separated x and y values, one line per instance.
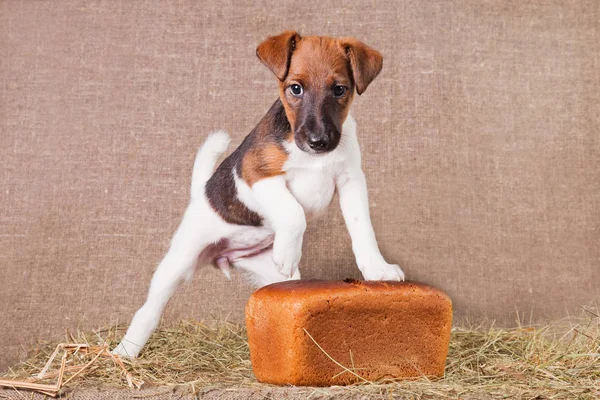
317	79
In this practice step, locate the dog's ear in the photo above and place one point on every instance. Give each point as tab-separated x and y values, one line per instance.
365	62
276	52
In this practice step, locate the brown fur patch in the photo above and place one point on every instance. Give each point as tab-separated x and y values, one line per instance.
265	160
289	112
275	52
366	63
317	63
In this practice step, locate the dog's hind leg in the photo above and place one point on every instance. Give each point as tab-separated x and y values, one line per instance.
261	269
198	229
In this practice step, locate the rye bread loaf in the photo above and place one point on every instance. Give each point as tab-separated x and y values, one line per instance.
378	330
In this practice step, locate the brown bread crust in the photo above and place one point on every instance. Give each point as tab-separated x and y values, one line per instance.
392	330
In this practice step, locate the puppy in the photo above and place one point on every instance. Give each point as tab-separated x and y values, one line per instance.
251	212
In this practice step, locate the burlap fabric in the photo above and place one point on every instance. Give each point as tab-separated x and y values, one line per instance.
258	392
480	140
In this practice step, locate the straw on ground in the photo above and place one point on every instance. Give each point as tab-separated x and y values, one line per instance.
554	361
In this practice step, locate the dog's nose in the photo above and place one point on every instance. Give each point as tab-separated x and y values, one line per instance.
318	143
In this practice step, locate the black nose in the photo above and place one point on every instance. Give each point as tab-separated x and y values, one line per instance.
318	143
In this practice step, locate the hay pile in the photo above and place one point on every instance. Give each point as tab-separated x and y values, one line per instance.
555	361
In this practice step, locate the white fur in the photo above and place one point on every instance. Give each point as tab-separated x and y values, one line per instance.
215	144
285	202
200	227
262	270
285	216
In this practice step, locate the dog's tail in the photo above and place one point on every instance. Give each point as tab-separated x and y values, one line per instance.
207	156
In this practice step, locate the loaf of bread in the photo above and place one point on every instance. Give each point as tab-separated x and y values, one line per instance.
321	333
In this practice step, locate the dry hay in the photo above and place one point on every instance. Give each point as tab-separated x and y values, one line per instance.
555	361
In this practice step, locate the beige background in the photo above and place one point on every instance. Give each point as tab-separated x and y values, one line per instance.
480	140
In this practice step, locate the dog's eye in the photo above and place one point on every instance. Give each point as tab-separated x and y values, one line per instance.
339	90
296	90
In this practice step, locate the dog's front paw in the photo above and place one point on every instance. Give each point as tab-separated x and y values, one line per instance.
295	276
382	271
287	260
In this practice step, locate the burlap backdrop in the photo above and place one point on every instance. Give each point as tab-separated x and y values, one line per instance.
480	141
